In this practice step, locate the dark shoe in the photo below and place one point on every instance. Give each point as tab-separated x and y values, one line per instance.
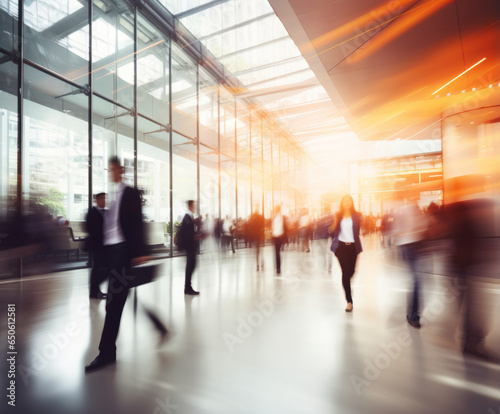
99	295
278	272
99	362
414	323
257	268
191	292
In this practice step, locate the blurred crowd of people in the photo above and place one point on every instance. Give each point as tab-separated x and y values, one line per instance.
458	231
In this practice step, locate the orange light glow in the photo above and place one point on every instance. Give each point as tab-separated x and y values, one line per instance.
362	21
463	73
402	25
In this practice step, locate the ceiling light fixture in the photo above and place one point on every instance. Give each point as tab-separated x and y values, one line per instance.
463	73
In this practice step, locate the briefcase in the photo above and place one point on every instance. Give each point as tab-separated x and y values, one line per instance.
141	275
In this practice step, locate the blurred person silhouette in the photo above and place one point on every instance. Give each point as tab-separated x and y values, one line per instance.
256	230
292	231
228	233
323	236
470	222
218	224
279	235
246	233
207	229
305	230
346	243
94	245
188	241
387	228
124	247
410	231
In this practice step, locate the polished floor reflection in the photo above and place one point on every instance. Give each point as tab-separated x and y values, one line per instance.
253	342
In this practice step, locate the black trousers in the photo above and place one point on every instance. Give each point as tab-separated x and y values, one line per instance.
278	242
116	258
99	272
346	254
227	241
118	288
258	248
475	320
410	255
190	266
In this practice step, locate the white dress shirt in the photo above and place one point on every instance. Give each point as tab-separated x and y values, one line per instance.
226	227
278	226
101	210
112	229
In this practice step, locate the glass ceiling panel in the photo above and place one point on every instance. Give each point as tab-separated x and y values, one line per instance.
41	14
225	15
104	43
252	35
149	69
255	47
285	80
10	6
313	94
179	6
268	54
272	72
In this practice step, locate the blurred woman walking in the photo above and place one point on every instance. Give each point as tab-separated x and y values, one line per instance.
346	243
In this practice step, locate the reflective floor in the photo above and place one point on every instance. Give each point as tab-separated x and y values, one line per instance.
255	343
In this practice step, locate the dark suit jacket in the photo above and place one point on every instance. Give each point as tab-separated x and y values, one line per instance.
95	222
187	234
256	230
464	232
130	216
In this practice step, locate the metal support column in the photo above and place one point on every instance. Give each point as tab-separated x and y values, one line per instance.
236	167
198	138
262	161
170	150
90	117
251	156
218	149
272	170
20	105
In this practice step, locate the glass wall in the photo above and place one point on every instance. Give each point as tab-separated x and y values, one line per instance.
55	146
268	169
256	159
276	157
228	126
471	144
8	134
181	131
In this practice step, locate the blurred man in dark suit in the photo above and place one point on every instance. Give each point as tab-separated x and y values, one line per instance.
94	244
188	241
124	247
256	233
